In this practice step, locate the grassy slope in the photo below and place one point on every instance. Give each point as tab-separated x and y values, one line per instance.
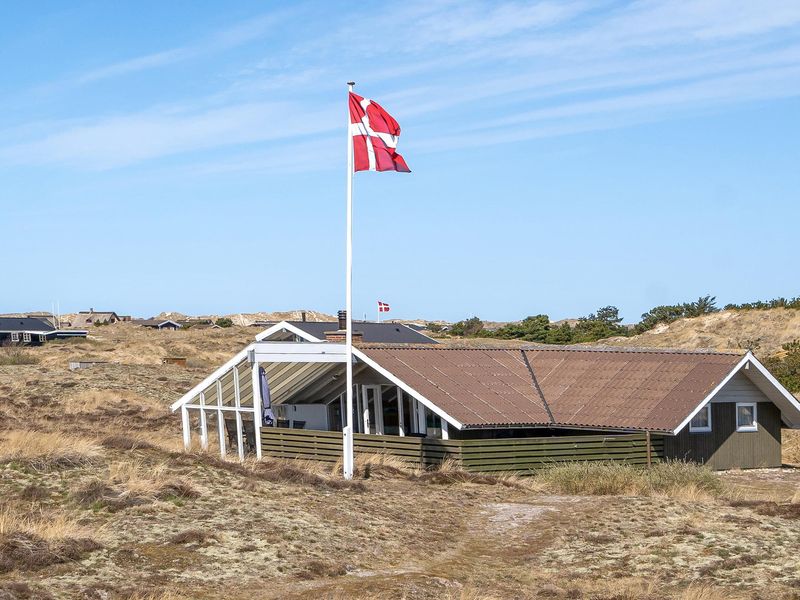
725	330
88	515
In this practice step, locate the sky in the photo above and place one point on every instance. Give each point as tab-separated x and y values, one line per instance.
565	155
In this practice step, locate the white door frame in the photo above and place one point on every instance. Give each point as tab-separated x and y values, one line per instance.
369	418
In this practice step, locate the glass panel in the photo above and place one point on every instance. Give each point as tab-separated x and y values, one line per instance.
434	425
745	416
391	414
408	414
335	415
369	409
701	419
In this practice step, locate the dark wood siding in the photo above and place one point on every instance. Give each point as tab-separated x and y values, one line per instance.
725	448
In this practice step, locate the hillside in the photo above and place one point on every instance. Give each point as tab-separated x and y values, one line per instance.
764	331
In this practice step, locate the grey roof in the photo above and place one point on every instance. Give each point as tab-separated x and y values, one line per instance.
155	322
376	333
24	324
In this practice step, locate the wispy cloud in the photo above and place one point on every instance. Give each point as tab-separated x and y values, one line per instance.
483	72
234	36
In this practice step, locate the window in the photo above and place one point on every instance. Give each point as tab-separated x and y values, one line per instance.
42	337
26	337
746	417
14	336
701	422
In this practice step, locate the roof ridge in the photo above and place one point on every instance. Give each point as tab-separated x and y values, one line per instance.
550	348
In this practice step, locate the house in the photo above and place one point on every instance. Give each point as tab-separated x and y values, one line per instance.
157	323
363	331
495	408
31	331
87	318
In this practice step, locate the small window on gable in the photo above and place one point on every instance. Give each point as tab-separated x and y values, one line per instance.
15	336
701	422
746	416
26	337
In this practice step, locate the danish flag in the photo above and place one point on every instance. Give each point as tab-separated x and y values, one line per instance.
383	307
375	134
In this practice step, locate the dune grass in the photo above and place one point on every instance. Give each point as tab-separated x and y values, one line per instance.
29	542
45	451
14	356
674	479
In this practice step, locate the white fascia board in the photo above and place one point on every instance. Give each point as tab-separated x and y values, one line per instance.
407	388
748	358
286	326
786	394
162	323
713	392
239	357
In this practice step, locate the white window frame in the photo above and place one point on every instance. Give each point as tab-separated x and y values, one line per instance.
42	337
747	428
26	337
15	336
707	428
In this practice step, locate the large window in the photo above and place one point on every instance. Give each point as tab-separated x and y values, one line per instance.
15	336
746	417
701	422
26	337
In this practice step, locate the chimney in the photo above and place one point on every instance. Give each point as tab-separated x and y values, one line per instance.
303	316
341	336
342	320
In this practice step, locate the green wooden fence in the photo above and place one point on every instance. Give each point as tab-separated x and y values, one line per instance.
511	455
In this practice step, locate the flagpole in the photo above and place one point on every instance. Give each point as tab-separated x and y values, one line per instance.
347	432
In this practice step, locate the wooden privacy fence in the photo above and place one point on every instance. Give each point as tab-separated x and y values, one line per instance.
512	454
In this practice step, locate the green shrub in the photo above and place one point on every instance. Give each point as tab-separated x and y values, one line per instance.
224	322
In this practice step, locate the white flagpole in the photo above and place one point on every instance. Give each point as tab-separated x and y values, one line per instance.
347	432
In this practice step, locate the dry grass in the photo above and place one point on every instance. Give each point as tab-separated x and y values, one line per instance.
724	330
133	483
791	446
674	479
47	450
30	542
17	356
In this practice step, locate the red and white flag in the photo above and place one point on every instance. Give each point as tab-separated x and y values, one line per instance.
383	307
375	134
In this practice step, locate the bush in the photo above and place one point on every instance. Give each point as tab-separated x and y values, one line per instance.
44	451
17	356
224	322
786	366
671	478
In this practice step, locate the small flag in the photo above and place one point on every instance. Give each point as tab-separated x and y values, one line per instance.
383	307
375	134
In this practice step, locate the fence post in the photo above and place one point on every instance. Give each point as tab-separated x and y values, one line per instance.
649	456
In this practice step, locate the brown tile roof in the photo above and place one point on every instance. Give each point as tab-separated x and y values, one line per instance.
592	388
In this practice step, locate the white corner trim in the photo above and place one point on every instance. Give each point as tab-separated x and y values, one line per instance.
241	355
783	391
713	393
407	388
285	325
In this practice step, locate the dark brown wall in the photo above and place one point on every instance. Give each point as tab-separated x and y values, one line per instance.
724	447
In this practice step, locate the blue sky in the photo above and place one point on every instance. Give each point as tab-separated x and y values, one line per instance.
566	155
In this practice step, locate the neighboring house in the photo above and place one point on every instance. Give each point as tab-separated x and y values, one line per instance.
199	324
87	318
32	332
157	323
723	410
363	331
